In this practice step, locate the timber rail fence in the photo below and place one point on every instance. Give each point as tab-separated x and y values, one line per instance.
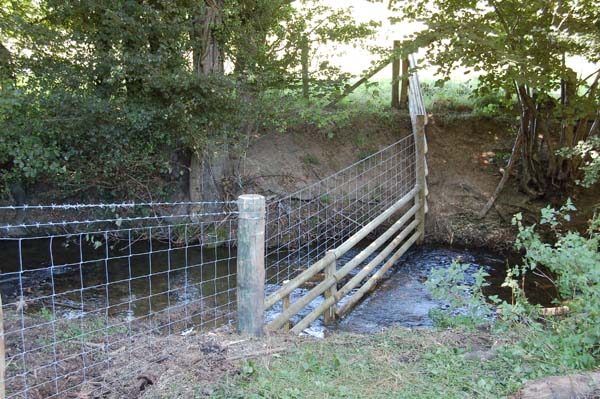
87	290
391	185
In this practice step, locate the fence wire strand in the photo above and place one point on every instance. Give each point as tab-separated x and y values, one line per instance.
79	294
303	226
84	287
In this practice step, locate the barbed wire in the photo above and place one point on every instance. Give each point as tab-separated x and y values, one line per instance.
113	220
113	205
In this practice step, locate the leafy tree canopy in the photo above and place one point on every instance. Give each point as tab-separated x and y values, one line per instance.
527	49
99	94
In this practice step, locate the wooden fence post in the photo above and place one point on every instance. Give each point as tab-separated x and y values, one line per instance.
304	61
286	305
420	175
404	90
329	314
396	76
251	264
2	353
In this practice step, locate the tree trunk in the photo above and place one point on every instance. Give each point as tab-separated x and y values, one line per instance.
207	52
6	65
532	182
209	163
568	129
304	61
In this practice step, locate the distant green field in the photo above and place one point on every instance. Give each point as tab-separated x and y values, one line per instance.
456	96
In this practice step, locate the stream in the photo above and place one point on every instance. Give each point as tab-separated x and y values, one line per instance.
401	299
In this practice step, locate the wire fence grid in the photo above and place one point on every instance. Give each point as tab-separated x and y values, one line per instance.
82	284
303	226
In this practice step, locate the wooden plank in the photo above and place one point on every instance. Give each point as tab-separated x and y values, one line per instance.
396	77
286	305
2	354
416	102
297	306
329	281
360	82
420	172
404	88
251	264
312	316
339	251
370	284
329	313
356	279
299	280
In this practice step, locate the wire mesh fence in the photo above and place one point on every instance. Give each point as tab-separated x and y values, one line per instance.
82	284
303	226
85	286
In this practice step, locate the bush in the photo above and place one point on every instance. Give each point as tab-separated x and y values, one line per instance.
572	261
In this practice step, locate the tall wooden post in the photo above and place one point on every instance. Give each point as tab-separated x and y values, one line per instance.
251	264
420	175
396	76
330	269
304	61
286	305
2	353
404	89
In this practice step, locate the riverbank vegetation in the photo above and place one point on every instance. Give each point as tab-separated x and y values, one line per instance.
396	363
102	100
482	347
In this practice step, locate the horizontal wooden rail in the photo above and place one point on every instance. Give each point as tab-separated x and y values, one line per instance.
370	284
338	252
355	280
320	288
398	238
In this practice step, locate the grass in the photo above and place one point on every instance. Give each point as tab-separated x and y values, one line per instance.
453	97
311	159
398	363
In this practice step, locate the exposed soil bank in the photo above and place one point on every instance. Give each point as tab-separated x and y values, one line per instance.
466	154
465	157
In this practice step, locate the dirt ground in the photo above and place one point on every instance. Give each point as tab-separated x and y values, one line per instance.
465	158
463	171
182	367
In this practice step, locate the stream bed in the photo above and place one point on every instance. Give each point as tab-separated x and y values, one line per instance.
401	299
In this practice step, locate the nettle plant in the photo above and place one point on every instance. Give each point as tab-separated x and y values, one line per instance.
461	291
571	260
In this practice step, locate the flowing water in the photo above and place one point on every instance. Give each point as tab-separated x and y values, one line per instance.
403	299
157	280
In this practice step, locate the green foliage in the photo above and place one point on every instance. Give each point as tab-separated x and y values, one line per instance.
97	96
574	261
529	50
589	152
463	294
280	30
103	96
571	260
506	42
